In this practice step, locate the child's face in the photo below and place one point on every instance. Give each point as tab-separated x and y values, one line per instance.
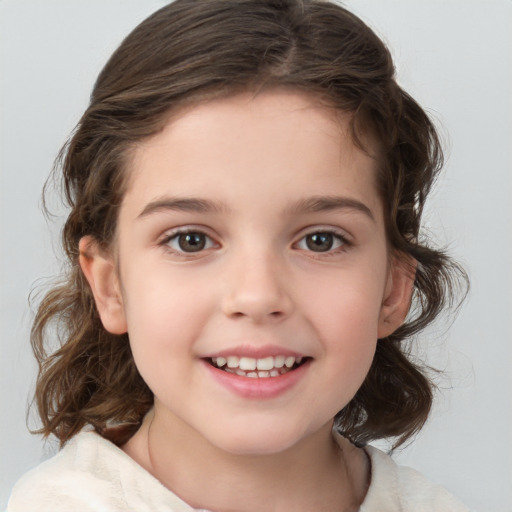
252	228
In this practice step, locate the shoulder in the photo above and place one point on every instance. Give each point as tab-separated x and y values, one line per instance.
91	474
75	477
394	487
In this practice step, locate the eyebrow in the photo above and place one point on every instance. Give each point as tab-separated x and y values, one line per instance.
308	205
330	203
185	204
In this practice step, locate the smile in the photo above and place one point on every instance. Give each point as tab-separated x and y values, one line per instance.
262	368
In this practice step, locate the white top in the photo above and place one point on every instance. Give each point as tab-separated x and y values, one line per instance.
91	474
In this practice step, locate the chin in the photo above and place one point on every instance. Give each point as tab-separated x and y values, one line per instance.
257	440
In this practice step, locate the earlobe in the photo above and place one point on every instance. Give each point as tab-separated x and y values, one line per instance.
100	271
397	296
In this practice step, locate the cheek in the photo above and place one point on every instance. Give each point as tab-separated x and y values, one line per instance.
163	298
161	339
349	339
345	318
346	303
164	318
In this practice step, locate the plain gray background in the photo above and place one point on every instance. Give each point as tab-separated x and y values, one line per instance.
454	56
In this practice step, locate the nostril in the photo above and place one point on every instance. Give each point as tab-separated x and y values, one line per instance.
256	305
272	314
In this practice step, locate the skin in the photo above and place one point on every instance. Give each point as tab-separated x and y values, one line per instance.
257	285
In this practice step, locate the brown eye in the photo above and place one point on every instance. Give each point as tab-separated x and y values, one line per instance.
320	242
192	242
189	242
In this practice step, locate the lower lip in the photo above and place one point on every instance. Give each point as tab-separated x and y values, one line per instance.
258	388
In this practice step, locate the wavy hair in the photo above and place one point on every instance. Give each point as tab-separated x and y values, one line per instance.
191	51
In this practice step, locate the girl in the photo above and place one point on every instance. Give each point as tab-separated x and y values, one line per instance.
246	189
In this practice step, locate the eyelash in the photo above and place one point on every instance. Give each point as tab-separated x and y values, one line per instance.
174	235
338	236
341	238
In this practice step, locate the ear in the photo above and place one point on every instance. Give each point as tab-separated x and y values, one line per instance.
397	296
100	271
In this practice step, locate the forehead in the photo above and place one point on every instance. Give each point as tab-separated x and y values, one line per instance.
275	143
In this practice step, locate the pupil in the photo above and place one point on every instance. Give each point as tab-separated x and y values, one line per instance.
319	242
192	242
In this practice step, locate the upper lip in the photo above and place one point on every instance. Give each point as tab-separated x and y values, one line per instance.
256	352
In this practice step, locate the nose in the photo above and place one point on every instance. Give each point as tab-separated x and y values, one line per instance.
256	288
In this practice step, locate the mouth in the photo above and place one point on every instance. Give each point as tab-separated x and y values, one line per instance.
262	368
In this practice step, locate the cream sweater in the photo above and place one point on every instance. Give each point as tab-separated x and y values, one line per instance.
92	474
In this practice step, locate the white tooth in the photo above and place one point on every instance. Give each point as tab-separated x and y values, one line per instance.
252	375
219	361
263	374
232	361
298	360
289	361
265	364
279	361
240	372
274	373
229	370
247	363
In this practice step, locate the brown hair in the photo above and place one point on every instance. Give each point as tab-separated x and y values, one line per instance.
190	51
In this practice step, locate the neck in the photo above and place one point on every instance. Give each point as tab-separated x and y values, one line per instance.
315	474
